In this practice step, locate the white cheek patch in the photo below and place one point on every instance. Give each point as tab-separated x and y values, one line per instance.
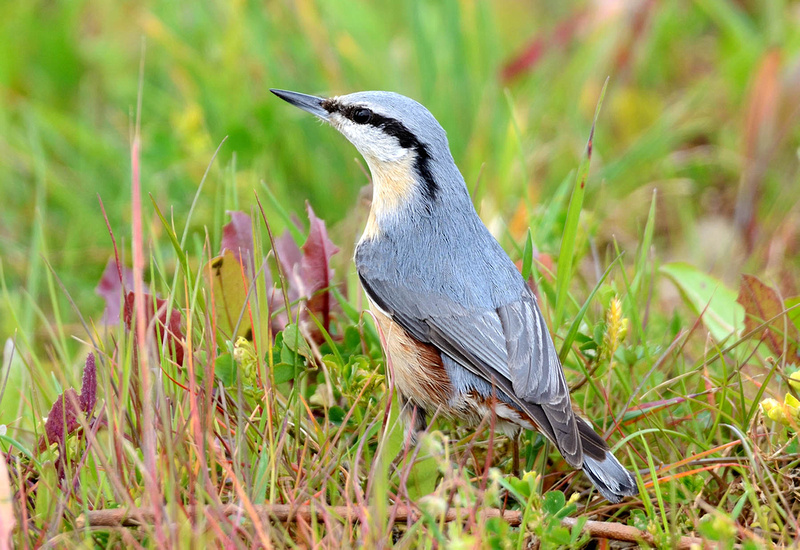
370	141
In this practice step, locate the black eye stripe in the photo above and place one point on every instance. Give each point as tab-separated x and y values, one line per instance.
357	113
396	129
408	140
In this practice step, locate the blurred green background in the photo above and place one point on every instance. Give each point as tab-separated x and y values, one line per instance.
702	109
702	105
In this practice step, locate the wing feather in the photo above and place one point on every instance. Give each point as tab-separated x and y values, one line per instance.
509	346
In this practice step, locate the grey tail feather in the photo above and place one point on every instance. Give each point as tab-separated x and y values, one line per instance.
609	476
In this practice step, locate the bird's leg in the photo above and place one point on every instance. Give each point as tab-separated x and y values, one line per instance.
515	453
414	419
414	422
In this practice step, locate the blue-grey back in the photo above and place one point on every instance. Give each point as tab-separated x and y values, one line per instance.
444	251
441	247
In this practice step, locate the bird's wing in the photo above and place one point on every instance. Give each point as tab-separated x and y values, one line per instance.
508	346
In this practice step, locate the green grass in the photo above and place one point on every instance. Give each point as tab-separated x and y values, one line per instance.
693	181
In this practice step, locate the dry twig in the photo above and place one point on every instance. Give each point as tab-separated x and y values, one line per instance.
283	512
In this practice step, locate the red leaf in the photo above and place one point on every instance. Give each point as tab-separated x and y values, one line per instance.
62	419
171	329
308	271
111	288
761	303
316	269
237	236
317	252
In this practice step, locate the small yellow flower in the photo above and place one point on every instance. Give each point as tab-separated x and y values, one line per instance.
785	413
767	405
616	329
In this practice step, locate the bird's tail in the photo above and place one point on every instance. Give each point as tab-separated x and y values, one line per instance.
609	476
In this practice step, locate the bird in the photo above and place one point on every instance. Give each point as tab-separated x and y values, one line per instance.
462	329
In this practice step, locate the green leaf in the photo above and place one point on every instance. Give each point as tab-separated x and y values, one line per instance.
336	415
282	372
423	478
287	355
225	369
520	488
497	531
225	276
709	297
295	341
569	509
352	340
559	535
553	502
277	349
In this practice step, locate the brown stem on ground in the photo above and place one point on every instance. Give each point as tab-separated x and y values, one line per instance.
281	512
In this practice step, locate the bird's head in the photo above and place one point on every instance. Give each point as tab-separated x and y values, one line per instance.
404	145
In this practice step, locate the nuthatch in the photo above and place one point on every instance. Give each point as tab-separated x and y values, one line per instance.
464	331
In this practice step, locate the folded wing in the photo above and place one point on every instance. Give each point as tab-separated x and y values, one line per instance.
508	346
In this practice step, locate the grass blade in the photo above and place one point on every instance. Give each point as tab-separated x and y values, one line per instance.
567	252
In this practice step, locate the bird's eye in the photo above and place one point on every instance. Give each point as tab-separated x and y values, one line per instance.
362	116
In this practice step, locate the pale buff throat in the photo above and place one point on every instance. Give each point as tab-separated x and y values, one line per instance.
392	187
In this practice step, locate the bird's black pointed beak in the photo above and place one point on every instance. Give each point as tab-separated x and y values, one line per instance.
309	103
